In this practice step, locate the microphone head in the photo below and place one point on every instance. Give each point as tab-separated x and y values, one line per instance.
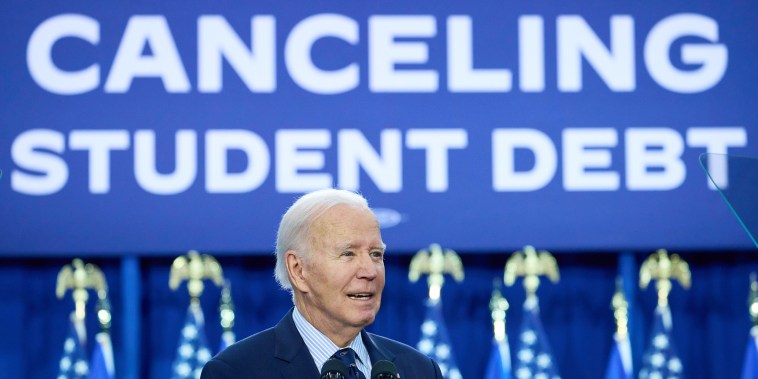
384	370
334	369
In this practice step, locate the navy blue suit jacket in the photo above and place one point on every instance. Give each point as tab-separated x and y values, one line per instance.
280	352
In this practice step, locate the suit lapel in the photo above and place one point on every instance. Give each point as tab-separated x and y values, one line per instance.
376	351
291	349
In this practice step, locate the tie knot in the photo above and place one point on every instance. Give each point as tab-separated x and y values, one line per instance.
347	356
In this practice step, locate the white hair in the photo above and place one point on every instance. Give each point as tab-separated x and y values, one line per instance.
296	222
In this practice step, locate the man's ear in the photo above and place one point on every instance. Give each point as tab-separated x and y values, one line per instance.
296	270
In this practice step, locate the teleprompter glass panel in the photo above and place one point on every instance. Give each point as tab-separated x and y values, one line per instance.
736	178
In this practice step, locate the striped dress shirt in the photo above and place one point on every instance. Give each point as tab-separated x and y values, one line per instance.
322	348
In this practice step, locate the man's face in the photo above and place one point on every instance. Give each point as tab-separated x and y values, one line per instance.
344	273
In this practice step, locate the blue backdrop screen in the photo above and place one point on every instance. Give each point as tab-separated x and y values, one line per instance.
155	127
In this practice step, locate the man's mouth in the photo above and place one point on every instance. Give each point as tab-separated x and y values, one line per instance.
360	296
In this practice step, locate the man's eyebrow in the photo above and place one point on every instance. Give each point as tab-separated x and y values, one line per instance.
349	246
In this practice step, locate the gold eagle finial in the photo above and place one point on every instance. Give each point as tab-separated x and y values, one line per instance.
79	277
436	263
194	268
662	268
531	265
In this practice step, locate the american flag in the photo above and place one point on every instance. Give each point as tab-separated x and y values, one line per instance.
660	360
192	352
73	363
499	366
620	362
435	342
534	359
102	366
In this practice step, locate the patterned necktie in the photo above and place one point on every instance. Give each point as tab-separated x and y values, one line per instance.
347	355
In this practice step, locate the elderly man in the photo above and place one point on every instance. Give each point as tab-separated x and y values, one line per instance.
330	255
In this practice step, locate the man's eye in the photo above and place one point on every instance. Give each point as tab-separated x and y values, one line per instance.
347	254
377	254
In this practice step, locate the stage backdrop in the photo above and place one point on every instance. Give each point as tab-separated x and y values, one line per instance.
161	126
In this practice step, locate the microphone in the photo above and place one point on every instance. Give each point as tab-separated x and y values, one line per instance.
334	369
384	370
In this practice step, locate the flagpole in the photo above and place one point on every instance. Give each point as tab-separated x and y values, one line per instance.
750	362
660	358
629	277
131	280
192	349
499	365
226	316
753	300
435	341
78	277
620	363
533	354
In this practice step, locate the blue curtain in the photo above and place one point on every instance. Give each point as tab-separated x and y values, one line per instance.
710	320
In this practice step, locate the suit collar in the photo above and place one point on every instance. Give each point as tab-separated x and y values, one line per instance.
290	348
375	351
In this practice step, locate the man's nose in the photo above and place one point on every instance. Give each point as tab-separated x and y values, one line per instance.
367	267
